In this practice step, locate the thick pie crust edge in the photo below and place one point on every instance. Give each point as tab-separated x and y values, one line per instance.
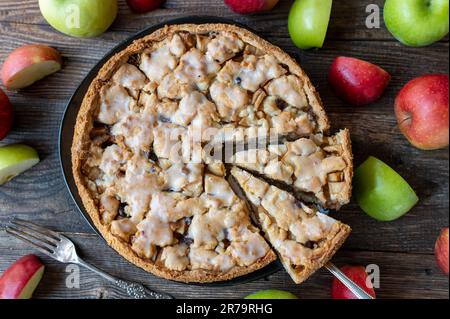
84	125
332	247
347	155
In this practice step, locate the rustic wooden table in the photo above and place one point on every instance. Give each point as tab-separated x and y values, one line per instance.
402	249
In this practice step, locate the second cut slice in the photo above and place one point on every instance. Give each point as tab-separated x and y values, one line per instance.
304	238
318	168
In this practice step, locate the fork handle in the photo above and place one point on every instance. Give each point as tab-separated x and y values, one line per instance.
354	288
134	290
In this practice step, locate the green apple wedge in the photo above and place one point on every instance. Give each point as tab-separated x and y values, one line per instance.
16	159
308	22
271	294
417	23
381	192
79	18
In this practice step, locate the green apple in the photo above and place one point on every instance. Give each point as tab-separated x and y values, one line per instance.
16	159
417	22
271	294
308	22
79	18
381	192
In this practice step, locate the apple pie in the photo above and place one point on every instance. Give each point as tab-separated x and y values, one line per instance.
304	238
144	169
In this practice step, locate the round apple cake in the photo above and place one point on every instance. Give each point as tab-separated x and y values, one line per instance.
148	157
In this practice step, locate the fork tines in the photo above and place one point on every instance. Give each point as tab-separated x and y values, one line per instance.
42	239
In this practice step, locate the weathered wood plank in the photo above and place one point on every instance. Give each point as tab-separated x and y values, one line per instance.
403	248
416	276
348	20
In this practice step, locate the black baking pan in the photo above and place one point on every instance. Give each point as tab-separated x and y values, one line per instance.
68	125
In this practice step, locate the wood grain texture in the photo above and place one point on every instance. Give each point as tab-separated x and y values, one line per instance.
416	274
403	249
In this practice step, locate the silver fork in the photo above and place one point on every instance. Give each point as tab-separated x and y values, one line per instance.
62	249
354	288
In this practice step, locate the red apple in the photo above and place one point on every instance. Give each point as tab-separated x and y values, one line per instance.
356	81
28	64
21	279
358	275
441	250
6	115
142	6
270	4
421	108
251	6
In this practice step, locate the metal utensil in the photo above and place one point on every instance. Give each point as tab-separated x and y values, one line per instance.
354	288
62	249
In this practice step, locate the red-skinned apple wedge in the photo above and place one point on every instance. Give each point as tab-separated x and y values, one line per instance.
21	279
142	6
421	108
441	250
358	275
251	6
6	115
28	64
356	81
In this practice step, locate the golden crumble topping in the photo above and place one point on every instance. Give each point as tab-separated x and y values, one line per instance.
152	183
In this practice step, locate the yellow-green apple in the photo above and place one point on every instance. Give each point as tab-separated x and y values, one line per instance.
421	108
441	250
359	276
79	18
16	159
28	64
251	6
21	279
417	22
6	115
271	294
308	22
142	6
381	192
356	81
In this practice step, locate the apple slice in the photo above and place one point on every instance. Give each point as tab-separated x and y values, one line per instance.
356	81
272	294
251	6
21	279
143	6
381	192
441	250
308	22
16	159
28	64
6	115
358	275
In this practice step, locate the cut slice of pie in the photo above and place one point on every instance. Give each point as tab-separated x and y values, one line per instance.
304	238
318	168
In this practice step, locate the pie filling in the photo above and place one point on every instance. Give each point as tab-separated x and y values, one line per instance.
159	193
